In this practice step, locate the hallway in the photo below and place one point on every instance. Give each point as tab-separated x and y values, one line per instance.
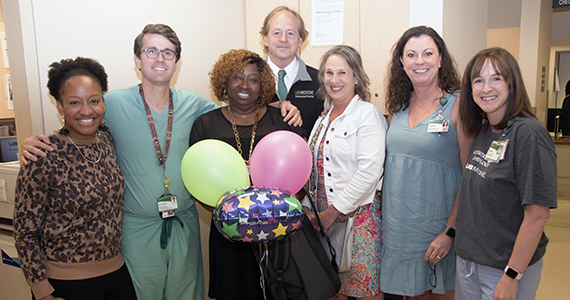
555	283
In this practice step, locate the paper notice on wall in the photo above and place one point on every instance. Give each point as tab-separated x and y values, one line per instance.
8	89
4	49
9	254
327	22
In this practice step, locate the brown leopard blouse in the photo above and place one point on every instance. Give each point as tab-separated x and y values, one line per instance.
68	213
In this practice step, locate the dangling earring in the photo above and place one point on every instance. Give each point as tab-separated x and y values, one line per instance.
226	97
63	130
103	127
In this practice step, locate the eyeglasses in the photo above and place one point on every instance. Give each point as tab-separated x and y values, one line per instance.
153	53
432	276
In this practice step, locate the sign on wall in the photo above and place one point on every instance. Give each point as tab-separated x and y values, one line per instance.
560	3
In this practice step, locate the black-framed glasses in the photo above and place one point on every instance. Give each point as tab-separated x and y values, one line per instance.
152	52
432	276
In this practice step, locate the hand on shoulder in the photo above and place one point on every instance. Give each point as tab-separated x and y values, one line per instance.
32	148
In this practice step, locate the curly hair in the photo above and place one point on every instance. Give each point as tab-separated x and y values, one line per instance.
232	63
303	33
399	86
61	71
354	61
163	30
518	102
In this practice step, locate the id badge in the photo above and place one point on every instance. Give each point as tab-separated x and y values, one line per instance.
496	151
438	125
166	206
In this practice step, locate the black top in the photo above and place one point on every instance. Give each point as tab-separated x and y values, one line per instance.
234	271
303	94
213	125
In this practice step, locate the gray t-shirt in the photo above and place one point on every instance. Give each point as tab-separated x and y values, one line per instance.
493	195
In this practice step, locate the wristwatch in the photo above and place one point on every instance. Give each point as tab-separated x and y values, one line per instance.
514	274
450	232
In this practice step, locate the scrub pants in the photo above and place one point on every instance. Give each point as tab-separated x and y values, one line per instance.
175	272
474	281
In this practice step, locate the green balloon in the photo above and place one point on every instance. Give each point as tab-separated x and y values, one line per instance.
210	168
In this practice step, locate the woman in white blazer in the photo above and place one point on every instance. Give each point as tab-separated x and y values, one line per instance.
348	146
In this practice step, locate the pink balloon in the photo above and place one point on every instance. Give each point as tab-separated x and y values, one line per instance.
281	159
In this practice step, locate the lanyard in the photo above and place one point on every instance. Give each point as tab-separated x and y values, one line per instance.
442	103
510	123
160	157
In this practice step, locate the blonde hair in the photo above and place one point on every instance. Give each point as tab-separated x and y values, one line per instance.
303	33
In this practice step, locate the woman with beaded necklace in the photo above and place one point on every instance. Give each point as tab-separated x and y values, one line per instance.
244	81
69	205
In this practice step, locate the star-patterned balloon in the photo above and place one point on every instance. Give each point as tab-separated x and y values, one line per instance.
257	214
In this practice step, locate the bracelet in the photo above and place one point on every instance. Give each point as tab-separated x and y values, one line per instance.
281	101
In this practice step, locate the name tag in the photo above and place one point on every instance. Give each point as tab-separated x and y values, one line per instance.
166	206
496	151
438	125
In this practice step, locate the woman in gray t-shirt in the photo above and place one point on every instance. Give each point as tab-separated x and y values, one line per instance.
508	185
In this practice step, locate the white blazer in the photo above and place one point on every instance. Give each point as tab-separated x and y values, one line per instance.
353	154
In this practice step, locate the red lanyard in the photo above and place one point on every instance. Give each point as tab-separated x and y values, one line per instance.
160	157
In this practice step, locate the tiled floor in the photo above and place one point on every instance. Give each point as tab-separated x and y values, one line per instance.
555	281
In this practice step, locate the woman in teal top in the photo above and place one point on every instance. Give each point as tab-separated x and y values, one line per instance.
426	149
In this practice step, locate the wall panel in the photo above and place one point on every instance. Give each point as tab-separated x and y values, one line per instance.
508	38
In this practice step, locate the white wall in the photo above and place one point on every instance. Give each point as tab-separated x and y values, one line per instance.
536	28
564	76
561	26
560	43
464	29
40	32
504	14
561	39
105	30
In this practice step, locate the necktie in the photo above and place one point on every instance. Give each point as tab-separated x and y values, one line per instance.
281	88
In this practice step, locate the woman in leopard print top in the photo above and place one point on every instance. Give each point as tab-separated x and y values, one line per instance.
68	206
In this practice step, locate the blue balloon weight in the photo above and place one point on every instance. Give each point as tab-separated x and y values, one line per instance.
257	214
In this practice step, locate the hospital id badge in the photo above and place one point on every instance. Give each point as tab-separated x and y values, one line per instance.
496	151
438	125
166	205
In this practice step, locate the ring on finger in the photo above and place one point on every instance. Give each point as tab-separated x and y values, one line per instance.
438	257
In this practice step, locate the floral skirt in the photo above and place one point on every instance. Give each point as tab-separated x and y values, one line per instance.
363	278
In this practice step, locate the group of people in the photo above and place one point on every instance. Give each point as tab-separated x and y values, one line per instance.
466	178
